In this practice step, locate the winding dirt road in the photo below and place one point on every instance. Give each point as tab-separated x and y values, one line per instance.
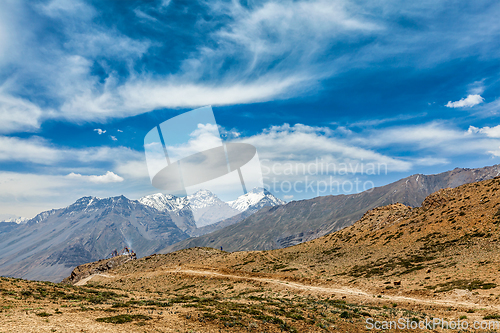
342	290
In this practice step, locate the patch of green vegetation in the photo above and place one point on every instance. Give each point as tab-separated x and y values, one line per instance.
337	303
245	263
393	236
26	293
44	314
346	315
185	287
250	291
184	299
209	316
123	318
280	266
119	305
331	251
269	319
289	269
384	266
491	316
295	316
461	284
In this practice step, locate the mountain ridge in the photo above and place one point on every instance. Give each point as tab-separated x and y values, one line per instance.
304	220
396	263
54	241
208	209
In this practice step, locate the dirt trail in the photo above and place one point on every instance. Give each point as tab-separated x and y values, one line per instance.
342	290
83	282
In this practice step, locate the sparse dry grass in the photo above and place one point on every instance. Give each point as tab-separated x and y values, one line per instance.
440	260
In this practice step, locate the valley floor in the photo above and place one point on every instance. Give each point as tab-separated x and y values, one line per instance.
439	262
196	299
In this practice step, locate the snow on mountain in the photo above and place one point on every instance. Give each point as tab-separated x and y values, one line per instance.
161	202
15	219
204	199
171	203
255	199
207	208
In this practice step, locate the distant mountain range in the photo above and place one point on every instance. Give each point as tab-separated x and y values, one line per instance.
12	218
207	208
50	245
300	221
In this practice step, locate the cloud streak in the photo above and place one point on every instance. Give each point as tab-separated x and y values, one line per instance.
109	177
468	101
36	150
260	51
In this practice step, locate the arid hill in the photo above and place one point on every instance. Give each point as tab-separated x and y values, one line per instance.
300	221
396	263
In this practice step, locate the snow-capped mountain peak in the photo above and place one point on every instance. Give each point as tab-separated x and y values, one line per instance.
255	199
162	202
207	208
15	219
203	199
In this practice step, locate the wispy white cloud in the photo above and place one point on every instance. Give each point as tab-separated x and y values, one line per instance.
491	132
109	177
257	36
282	145
429	161
128	99
468	101
57	69
67	8
34	150
414	136
113	138
164	4
27	194
477	87
380	121
278	50
134	169
40	151
99	131
142	15
18	114
432	142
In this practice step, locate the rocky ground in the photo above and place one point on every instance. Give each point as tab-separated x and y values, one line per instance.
397	263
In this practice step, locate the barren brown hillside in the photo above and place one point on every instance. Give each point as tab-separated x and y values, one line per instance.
440	260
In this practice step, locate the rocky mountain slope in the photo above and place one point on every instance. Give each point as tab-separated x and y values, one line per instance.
451	242
54	242
300	221
50	245
439	260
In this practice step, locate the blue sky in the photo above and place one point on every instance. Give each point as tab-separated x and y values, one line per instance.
410	85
